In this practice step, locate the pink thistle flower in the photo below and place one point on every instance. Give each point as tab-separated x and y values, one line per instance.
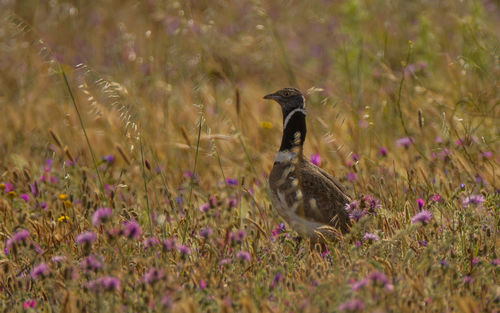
473	200
31	303
383	151
422	217
371	237
204	207
132	229
101	215
19	237
152	276
421	203
185	250
316	159
206	232
437	197
352	305
359	284
40	270
86	238
91	263
352	176
106	283
151	242
244	255
169	244
405	142
25	197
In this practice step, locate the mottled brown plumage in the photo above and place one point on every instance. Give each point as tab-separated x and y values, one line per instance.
306	196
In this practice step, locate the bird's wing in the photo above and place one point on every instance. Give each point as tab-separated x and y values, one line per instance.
324	199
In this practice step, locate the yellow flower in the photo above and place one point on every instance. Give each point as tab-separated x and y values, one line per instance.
12	194
63	218
2	186
63	196
266	125
68	204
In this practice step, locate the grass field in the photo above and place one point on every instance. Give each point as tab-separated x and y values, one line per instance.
135	148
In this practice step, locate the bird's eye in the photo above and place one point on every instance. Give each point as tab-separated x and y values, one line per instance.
286	94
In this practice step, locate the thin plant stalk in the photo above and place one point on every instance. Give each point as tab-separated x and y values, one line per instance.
83	128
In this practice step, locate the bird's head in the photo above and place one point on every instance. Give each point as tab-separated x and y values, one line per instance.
288	98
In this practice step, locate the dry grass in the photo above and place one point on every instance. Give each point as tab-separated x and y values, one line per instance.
172	92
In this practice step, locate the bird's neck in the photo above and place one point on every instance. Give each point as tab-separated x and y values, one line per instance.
294	129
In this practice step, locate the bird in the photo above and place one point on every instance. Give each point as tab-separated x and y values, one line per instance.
309	199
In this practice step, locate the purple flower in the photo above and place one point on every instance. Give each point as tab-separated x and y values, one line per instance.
232	182
356	214
185	250
25	197
91	263
204	207
421	203
405	142
40	270
422	243
132	229
359	284
203	284
422	217
233	202
378	278
352	305
34	189
371	203
355	157
244	256
151	242
371	237
437	197
31	303
169	244
19	237
109	158
487	154
276	280
152	276
86	238
354	204
352	176
8	187
206	232
106	283
58	258
475	261
468	279
316	159
495	262
473	200
237	236
101	215
444	263
383	151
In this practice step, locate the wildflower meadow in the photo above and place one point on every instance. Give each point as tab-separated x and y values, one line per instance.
135	149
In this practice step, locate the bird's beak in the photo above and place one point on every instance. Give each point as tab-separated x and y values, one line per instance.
271	96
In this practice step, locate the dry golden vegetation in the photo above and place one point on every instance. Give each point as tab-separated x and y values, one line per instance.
135	148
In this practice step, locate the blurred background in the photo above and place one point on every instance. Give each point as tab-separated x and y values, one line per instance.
370	69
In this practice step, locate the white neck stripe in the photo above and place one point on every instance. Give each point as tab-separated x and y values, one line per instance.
285	156
289	116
